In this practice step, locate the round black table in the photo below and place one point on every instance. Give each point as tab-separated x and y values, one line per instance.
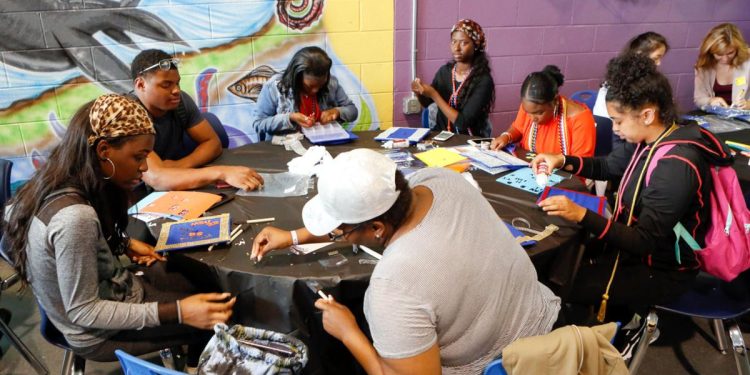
273	294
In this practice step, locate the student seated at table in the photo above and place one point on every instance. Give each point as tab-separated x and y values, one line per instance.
65	230
463	89
636	249
304	94
548	121
174	113
453	287
723	69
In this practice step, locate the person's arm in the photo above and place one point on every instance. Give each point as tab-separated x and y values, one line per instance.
208	149
161	177
339	322
701	93
583	136
272	238
347	110
74	232
474	110
673	186
265	119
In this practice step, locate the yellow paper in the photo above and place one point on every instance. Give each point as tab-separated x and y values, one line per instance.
439	157
739	81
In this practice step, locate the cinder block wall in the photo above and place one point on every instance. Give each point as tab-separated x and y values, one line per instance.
56	55
579	36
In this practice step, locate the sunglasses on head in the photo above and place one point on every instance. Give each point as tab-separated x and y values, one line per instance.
164	65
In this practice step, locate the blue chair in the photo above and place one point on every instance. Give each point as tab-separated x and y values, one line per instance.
587	97
603	136
426	118
135	366
495	368
708	299
72	363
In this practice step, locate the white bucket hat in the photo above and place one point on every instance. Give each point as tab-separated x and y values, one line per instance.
354	187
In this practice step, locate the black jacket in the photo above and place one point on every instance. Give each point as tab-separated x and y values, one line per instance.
678	190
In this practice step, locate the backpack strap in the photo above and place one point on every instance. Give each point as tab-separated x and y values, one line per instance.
658	154
57	200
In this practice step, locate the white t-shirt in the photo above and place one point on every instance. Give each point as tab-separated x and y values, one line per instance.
600	107
458	279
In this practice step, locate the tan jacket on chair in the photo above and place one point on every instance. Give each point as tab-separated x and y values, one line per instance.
566	350
705	79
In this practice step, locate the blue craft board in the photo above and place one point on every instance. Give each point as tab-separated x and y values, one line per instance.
403	133
352	137
524	179
194	232
737	113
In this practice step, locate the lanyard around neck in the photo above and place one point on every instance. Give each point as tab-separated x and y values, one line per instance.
453	100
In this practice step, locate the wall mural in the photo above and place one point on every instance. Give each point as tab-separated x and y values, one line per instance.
227	53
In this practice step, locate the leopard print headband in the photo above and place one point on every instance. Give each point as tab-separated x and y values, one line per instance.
114	116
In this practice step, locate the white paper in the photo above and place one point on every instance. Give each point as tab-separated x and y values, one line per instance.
305	249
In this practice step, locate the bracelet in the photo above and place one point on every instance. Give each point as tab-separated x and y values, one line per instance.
295	239
179	313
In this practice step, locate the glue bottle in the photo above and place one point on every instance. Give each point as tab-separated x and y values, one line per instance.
541	174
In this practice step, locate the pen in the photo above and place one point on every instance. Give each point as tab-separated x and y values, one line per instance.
264	220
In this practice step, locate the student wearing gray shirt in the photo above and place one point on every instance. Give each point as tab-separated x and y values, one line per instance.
64	231
453	287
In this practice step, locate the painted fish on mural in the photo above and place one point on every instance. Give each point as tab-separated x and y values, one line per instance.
299	14
73	32
249	86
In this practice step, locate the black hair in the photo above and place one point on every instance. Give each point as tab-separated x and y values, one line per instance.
646	43
542	87
480	66
633	81
72	164
146	59
312	61
397	213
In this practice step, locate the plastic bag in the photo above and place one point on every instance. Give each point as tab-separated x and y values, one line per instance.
284	184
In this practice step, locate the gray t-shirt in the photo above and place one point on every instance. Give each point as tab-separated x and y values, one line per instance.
87	294
458	279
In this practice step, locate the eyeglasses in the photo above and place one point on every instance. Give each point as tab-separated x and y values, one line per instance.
164	65
340	237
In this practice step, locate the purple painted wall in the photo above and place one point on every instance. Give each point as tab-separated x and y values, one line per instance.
579	36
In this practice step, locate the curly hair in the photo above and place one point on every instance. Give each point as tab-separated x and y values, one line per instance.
542	87
633	82
146	59
480	66
720	39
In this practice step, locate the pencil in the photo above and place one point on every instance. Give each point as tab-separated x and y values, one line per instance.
237	234
264	220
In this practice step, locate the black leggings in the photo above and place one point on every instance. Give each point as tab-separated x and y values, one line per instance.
160	285
635	287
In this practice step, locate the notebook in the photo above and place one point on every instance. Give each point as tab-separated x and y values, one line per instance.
413	135
191	233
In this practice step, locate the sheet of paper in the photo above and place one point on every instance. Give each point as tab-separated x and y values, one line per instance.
524	179
184	204
439	157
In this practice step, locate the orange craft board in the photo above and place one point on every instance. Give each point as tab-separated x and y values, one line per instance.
185	204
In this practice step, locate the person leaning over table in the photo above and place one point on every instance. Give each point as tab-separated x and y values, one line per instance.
65	229
453	287
463	89
636	248
723	69
548	121
157	87
303	94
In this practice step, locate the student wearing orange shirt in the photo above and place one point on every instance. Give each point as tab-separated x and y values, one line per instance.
549	122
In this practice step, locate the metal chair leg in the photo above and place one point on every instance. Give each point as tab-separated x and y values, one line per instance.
739	350
72	364
651	321
23	349
720	334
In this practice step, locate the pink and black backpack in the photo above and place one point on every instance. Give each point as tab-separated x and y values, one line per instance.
727	243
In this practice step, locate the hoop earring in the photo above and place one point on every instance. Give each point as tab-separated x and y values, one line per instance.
113	169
